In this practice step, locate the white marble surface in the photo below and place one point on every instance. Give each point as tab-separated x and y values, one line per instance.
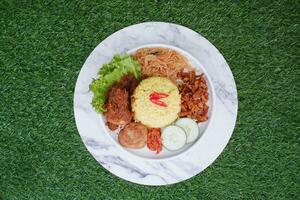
203	153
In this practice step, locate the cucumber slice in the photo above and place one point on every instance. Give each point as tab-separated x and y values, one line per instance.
190	128
173	138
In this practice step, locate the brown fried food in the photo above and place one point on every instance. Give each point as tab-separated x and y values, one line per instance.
194	96
134	135
111	126
118	106
129	83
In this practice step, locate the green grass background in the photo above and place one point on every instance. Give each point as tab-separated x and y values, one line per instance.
43	45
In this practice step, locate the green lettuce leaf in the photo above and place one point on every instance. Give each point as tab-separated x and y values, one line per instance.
109	74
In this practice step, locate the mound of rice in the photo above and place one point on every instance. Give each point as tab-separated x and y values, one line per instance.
147	112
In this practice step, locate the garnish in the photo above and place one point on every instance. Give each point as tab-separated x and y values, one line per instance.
156	96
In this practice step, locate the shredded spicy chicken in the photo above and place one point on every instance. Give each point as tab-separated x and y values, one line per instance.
194	96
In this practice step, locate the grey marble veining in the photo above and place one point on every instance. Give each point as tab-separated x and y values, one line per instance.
203	153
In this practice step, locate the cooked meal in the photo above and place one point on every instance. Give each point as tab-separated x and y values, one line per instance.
156	102
153	98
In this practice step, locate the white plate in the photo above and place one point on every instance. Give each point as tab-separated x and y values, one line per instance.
144	166
165	154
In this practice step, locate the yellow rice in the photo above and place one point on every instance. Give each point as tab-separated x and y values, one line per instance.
147	112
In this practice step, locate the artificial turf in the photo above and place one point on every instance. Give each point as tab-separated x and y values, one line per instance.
43	45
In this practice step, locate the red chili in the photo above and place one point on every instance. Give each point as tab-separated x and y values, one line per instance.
158	102
158	95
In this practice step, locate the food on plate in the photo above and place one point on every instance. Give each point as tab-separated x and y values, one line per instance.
156	112
173	138
118	106
111	126
118	111
128	82
134	135
154	142
142	94
190	128
109	74
161	62
194	96
156	96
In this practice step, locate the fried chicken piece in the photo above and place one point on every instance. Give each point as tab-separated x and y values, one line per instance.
118	102
118	106
129	83
111	126
134	135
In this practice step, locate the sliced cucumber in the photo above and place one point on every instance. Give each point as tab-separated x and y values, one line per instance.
190	128
173	137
